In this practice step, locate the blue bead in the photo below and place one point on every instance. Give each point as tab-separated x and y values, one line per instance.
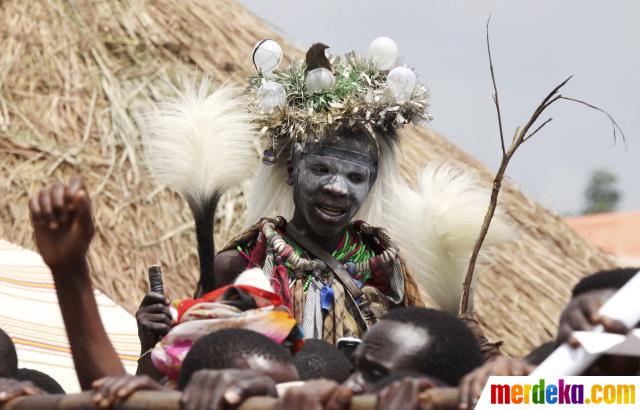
326	298
351	268
268	158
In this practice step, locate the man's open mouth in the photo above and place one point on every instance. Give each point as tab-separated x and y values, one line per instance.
331	211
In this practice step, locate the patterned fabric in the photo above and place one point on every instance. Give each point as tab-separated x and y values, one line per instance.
211	312
312	320
391	284
339	322
29	313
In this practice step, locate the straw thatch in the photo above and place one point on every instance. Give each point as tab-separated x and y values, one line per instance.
73	76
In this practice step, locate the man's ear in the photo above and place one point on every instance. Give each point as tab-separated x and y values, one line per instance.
293	162
289	172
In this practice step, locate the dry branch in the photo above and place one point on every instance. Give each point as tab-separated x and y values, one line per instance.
521	136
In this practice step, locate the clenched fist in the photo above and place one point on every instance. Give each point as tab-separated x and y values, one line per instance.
62	223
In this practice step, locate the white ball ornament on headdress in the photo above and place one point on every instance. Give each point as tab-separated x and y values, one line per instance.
270	95
319	79
383	52
267	55
401	82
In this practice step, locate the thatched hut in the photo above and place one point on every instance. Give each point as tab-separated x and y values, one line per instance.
73	76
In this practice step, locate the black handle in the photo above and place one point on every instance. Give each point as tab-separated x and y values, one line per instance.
155	279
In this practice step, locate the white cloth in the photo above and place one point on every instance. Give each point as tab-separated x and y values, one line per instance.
29	313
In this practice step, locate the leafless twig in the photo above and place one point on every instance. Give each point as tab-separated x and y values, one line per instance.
521	136
495	89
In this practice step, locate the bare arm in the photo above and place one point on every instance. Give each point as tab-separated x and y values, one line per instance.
93	354
228	265
63	227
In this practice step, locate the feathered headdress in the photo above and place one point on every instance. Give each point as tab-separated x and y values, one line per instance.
321	94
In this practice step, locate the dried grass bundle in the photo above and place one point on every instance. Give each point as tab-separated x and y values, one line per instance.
74	77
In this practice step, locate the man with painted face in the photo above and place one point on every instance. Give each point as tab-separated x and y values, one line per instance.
329	137
338	276
330	177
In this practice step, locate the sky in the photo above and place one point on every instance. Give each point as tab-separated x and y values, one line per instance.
535	45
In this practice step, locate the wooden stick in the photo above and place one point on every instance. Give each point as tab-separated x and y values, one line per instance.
521	136
437	398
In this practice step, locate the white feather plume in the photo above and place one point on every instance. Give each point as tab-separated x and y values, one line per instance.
437	225
200	143
269	194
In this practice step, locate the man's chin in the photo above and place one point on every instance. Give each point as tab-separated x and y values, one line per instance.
327	229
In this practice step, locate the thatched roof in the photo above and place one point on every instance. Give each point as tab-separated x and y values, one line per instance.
74	75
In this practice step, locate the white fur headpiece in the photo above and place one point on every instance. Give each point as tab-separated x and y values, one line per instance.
201	143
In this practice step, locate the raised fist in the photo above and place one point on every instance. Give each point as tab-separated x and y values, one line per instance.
62	223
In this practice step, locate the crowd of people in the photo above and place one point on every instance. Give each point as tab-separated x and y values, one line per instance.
313	308
408	350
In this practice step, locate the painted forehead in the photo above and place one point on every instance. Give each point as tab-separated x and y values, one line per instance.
357	147
401	339
337	163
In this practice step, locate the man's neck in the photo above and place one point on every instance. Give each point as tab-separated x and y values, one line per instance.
329	243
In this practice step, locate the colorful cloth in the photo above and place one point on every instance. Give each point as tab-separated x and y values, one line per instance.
390	283
220	310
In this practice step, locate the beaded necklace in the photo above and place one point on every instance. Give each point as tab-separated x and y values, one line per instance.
349	252
358	260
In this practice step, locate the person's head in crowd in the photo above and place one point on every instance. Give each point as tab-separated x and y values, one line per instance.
606	280
587	296
8	356
41	380
420	340
599	287
238	349
581	314
320	360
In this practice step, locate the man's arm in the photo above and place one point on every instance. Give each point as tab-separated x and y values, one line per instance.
63	227
228	265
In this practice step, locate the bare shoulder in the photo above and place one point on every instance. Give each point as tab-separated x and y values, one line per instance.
227	266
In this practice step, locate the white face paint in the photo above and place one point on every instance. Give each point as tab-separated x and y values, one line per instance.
337	186
331	178
329	191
